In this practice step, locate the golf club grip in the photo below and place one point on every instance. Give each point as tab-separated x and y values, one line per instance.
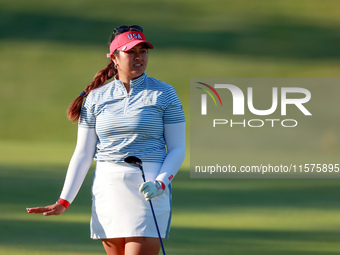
159	235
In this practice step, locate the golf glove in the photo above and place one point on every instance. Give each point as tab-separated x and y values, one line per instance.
151	189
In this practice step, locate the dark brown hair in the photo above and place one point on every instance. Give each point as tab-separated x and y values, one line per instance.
73	112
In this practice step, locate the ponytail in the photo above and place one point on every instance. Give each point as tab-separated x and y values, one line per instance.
73	112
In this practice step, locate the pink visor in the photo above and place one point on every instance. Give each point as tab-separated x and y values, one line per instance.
127	41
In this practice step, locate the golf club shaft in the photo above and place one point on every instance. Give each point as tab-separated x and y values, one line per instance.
159	235
154	217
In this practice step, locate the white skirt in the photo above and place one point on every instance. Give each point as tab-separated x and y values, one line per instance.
120	210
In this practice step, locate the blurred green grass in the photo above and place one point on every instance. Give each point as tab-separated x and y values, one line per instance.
50	50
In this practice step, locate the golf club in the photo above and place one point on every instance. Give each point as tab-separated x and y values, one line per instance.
134	161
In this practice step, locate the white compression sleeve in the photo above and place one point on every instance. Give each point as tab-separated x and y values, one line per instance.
175	141
80	163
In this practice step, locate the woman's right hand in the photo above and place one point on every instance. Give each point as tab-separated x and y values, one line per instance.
54	209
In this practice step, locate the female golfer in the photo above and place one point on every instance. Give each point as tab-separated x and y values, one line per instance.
133	115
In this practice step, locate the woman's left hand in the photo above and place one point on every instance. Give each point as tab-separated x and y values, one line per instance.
151	189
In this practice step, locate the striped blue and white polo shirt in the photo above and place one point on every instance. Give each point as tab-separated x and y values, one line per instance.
131	123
